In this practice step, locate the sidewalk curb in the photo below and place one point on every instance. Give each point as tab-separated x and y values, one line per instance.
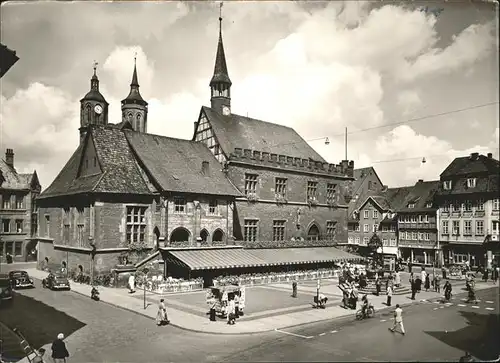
341	319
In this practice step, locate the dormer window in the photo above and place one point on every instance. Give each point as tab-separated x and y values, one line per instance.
471	182
411	205
447	185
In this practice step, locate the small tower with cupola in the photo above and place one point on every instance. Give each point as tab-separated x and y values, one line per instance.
134	108
220	85
93	107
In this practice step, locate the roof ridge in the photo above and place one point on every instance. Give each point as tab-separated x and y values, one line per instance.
253	119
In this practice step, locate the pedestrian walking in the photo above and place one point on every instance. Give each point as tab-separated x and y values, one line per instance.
398	320
413	287
485	274
236	305
59	351
389	295
161	316
443	271
437	284
131	284
427	284
230	312
294	289
378	285
397	279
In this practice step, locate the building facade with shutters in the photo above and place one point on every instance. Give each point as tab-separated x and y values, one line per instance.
468	202
18	213
418	225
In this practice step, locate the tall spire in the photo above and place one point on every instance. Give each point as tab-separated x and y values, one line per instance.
94	81
134	108
135	82
220	70
134	96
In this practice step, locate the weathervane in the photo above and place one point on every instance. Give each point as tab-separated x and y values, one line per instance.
135	58
220	10
95	66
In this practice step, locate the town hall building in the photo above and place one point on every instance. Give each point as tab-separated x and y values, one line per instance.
239	182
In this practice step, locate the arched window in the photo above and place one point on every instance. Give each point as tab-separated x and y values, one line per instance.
138	123
130	118
180	234
313	233
88	112
204	235
218	236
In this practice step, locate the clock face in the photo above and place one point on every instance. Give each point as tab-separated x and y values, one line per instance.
98	109
225	110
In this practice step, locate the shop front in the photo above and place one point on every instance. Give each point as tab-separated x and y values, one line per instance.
459	254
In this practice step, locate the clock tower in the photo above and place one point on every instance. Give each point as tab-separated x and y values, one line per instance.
93	107
220	85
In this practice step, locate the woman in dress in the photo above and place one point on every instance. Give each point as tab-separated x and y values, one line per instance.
427	283
161	317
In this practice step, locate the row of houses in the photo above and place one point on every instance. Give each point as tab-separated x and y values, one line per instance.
452	220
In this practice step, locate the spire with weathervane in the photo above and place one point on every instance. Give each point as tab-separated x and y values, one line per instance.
220	85
134	108
93	106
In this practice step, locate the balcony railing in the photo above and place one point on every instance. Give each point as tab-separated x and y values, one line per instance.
287	243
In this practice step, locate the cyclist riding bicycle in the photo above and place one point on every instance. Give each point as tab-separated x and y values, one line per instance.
365	305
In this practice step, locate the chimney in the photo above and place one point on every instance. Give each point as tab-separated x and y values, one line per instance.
420	180
474	156
205	168
490	156
9	157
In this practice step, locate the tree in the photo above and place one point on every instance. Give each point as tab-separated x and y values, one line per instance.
374	244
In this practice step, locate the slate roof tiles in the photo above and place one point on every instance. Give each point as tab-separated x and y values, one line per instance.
235	131
134	163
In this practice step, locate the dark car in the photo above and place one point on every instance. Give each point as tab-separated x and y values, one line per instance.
20	280
5	289
56	281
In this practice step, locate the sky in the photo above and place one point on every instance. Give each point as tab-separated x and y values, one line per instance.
318	67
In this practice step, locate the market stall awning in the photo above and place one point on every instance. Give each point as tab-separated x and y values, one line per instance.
225	258
283	256
214	259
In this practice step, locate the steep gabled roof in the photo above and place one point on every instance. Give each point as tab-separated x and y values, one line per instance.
176	165
11	179
420	194
468	165
120	171
235	131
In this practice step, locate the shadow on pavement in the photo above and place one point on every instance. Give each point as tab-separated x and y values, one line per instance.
480	337
38	322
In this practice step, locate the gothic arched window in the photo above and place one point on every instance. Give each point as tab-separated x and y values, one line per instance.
138	122
88	112
130	118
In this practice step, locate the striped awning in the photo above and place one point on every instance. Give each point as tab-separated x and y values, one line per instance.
284	256
214	259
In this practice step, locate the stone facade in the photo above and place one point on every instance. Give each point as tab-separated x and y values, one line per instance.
104	222
17	211
279	195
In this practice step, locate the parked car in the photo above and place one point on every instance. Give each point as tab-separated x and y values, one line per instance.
20	280
5	289
56	281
